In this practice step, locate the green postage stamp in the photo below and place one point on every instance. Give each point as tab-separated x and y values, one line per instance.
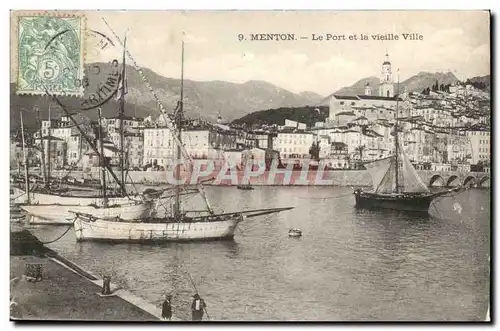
50	54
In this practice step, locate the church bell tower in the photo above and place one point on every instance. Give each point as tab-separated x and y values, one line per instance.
386	88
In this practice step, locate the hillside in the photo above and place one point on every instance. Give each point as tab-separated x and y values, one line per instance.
207	99
359	87
28	103
202	99
415	83
314	98
307	115
480	82
426	79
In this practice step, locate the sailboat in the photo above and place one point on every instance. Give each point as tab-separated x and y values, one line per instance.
179	225
124	206
63	214
396	183
48	195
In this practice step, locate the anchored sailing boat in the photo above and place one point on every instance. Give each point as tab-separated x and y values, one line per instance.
62	214
179	225
388	192
396	183
56	209
47	195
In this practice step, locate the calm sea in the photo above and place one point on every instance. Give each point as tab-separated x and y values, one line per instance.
349	265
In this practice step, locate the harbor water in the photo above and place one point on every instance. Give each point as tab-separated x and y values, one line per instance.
349	265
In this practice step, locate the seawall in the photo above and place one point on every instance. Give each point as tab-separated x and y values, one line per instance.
283	177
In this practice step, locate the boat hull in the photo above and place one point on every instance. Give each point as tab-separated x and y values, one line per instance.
87	229
415	203
57	214
49	199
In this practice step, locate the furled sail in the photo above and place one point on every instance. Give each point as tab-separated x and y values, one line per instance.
412	181
378	170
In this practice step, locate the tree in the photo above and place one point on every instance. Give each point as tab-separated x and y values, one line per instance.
314	151
359	150
435	87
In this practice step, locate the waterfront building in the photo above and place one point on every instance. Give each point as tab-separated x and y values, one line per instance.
158	146
111	125
59	128
200	142
134	149
480	146
338	156
459	149
324	144
76	148
54	151
293	143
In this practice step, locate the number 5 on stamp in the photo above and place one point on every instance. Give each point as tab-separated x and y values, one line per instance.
50	54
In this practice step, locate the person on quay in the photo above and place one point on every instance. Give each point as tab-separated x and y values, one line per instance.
197	307
166	311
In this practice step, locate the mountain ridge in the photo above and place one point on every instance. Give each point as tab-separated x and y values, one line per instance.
204	99
415	83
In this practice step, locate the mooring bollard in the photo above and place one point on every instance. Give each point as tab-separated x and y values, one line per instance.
106	285
33	272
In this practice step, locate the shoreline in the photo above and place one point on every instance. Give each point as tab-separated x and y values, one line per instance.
282	177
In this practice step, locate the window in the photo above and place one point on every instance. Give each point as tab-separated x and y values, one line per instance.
341	102
353	103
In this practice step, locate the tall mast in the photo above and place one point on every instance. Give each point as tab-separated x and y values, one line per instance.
102	160
396	139
180	113
89	141
42	148
48	150
27	182
121	115
163	112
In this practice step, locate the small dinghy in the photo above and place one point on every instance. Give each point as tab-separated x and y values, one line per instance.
295	233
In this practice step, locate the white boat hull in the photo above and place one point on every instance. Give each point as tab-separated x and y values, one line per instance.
50	199
57	214
106	230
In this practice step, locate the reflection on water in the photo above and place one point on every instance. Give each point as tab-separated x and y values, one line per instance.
349	265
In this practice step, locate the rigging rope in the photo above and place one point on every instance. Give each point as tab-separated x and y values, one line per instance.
194	285
330	197
67	230
258	223
18	196
171	126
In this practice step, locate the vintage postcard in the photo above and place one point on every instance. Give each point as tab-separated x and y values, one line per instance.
180	166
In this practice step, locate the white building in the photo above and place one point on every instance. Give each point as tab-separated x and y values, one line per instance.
294	124
459	149
381	106
480	146
200	143
111	125
293	144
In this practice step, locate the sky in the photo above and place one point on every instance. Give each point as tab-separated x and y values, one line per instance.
457	41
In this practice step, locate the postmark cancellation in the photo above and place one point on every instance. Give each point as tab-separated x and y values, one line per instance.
50	53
